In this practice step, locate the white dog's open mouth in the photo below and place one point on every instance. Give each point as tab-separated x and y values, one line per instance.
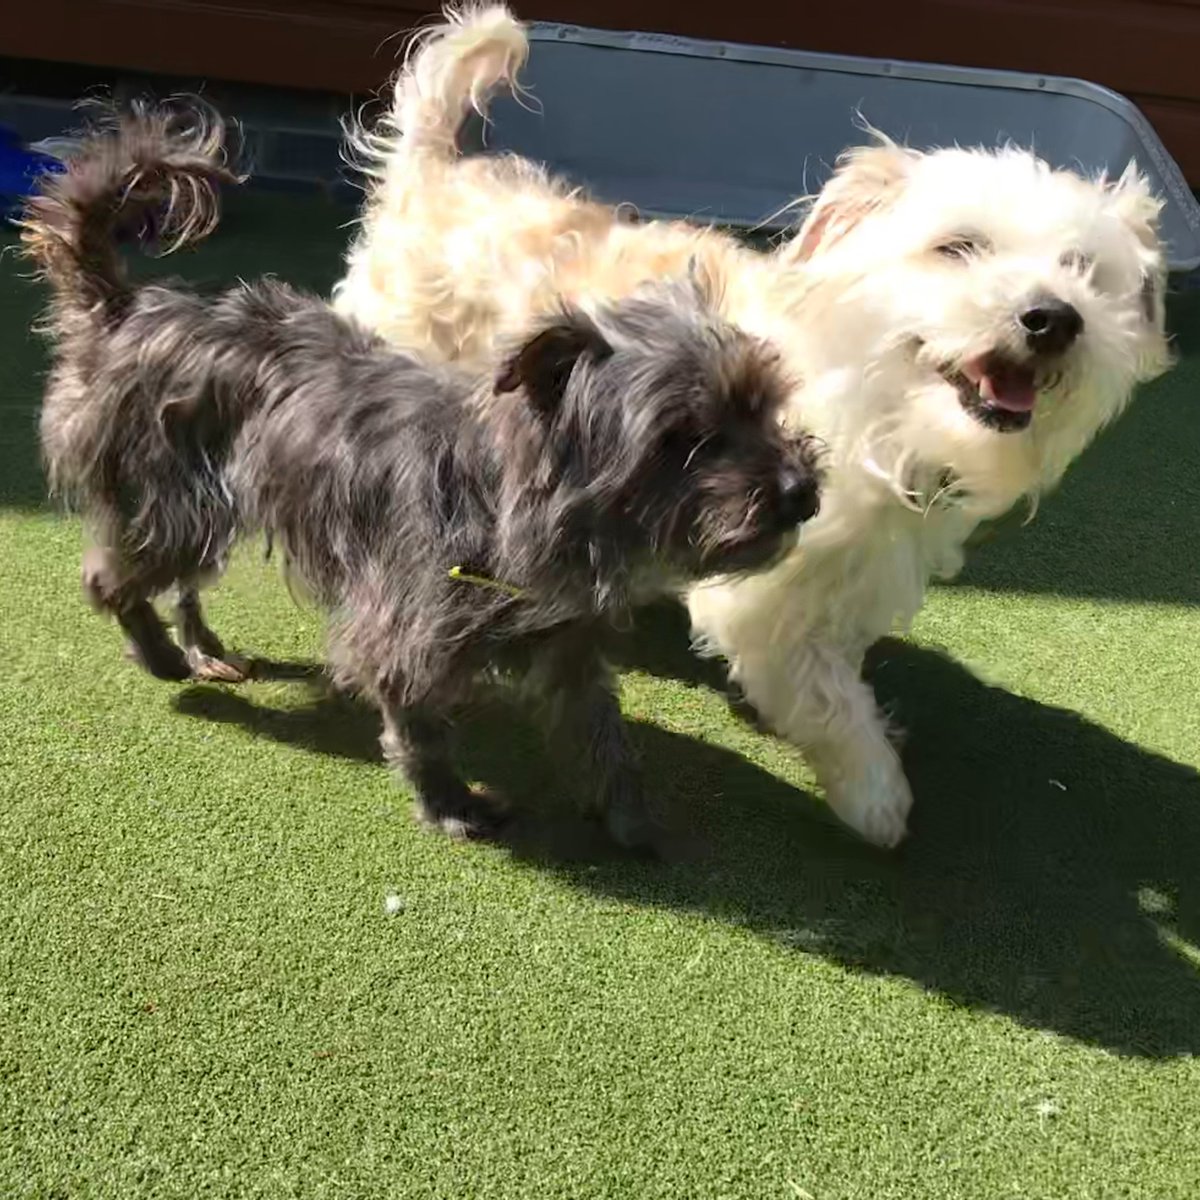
997	391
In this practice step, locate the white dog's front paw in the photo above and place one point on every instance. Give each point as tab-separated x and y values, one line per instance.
874	800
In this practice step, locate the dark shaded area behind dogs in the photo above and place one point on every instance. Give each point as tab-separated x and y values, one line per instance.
1050	869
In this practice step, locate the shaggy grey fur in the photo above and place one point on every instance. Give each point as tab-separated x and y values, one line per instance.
609	459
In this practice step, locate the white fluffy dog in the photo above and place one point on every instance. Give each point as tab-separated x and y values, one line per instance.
962	322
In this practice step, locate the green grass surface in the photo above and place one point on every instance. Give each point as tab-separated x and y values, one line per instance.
202	995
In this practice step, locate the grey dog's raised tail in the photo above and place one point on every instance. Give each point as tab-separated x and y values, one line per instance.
148	173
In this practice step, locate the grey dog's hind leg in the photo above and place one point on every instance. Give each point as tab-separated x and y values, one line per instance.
206	656
150	643
109	588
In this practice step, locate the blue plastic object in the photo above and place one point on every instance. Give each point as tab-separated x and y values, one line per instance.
21	167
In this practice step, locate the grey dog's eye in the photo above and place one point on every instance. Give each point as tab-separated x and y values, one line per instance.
961	247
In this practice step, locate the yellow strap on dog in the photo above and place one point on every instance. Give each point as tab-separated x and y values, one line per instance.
483	581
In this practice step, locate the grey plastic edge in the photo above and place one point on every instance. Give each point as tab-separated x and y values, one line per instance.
661	43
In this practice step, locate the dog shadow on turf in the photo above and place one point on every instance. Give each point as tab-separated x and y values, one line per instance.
1051	872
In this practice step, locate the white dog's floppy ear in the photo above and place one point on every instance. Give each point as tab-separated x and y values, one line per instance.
867	179
1139	208
1136	204
543	365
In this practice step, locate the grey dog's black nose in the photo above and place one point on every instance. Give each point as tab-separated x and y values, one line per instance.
798	496
1050	325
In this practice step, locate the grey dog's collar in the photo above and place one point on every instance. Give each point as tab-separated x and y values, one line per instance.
498	585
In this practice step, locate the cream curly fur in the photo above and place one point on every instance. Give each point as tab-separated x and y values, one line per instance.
909	269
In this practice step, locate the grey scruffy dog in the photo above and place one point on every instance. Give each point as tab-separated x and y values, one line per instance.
451	523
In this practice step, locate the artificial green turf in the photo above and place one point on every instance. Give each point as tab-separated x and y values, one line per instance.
203	995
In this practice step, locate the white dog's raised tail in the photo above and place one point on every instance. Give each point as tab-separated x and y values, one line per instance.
449	71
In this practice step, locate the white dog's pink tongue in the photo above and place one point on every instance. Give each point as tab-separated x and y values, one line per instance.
1005	385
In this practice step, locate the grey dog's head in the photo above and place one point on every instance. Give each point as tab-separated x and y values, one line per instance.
667	418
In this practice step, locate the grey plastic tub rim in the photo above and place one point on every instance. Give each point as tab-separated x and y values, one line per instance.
661	43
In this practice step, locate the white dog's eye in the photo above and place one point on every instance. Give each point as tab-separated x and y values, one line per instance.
961	247
1076	260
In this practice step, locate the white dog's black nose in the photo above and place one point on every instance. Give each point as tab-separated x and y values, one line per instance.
799	496
1050	325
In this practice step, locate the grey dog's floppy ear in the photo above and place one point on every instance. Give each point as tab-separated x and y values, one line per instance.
543	365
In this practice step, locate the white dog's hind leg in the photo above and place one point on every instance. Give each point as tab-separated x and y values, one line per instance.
812	694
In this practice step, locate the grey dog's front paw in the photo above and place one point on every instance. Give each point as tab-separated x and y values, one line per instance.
475	814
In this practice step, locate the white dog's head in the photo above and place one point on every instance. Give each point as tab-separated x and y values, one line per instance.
1001	311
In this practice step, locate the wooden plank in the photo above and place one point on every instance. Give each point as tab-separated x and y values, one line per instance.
332	47
1147	47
